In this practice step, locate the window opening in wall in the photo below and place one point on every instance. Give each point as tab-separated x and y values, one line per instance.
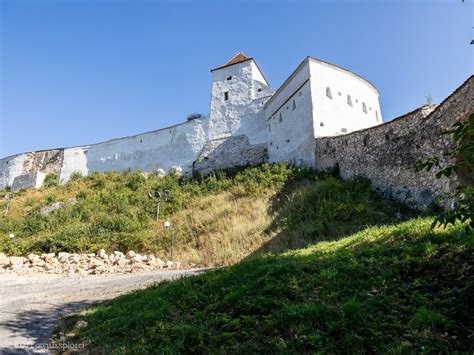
328	92
349	100
377	116
280	118
339	93
344	130
287	141
370	108
226	96
259	90
357	100
229	77
321	124
294	105
300	93
269	128
364	108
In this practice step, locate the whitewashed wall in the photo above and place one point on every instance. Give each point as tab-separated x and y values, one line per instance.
241	113
11	167
176	146
335	116
290	120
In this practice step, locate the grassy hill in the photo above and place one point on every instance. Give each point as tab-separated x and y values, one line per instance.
390	289
218	220
317	264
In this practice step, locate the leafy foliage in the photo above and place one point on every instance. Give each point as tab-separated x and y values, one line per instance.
51	180
462	155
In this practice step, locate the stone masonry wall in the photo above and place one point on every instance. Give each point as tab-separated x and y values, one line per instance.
225	153
387	154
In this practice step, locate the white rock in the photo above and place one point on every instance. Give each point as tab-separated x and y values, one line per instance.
101	254
130	254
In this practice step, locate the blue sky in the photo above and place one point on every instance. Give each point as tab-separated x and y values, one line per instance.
76	72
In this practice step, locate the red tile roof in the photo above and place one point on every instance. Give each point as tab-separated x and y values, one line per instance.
238	58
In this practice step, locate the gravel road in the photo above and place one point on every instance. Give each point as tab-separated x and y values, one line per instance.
31	305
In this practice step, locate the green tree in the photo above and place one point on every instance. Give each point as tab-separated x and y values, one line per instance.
462	155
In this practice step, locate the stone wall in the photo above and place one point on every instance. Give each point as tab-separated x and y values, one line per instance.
225	153
387	154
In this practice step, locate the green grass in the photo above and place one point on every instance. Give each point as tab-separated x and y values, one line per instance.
218	220
393	289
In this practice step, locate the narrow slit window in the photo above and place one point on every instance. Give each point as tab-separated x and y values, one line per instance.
349	100
377	116
364	108
294	105
226	95
328	92
280	118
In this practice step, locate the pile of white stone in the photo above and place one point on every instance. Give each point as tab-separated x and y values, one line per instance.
84	264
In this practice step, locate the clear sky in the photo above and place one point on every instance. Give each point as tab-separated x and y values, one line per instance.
75	72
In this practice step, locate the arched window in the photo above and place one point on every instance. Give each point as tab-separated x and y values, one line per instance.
349	100
328	92
364	108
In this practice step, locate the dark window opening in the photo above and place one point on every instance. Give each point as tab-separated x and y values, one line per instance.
229	77
259	90
226	96
349	100
364	108
321	124
344	130
328	92
287	141
294	105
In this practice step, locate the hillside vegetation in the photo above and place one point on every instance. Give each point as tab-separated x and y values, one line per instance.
217	220
396	289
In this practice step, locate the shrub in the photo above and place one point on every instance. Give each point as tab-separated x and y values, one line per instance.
51	180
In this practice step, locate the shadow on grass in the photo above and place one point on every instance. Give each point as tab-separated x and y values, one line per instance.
323	208
393	289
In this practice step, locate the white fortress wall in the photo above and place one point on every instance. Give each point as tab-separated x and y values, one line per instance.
235	102
343	102
11	167
175	146
290	120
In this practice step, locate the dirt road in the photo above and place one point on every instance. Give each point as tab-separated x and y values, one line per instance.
30	306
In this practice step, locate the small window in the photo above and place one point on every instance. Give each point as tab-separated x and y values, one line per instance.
269	128
229	77
280	118
294	105
226	96
377	116
364	108
259	90
322	124
344	130
328	92
349	100
300	93
339	93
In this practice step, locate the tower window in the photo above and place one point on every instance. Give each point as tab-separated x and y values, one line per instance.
294	105
280	118
349	100
322	124
377	116
364	108
226	95
328	92
229	77
259	90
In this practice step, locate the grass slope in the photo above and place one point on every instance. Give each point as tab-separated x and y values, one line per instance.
219	219
388	289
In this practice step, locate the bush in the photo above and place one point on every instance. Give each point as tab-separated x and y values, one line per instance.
51	180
